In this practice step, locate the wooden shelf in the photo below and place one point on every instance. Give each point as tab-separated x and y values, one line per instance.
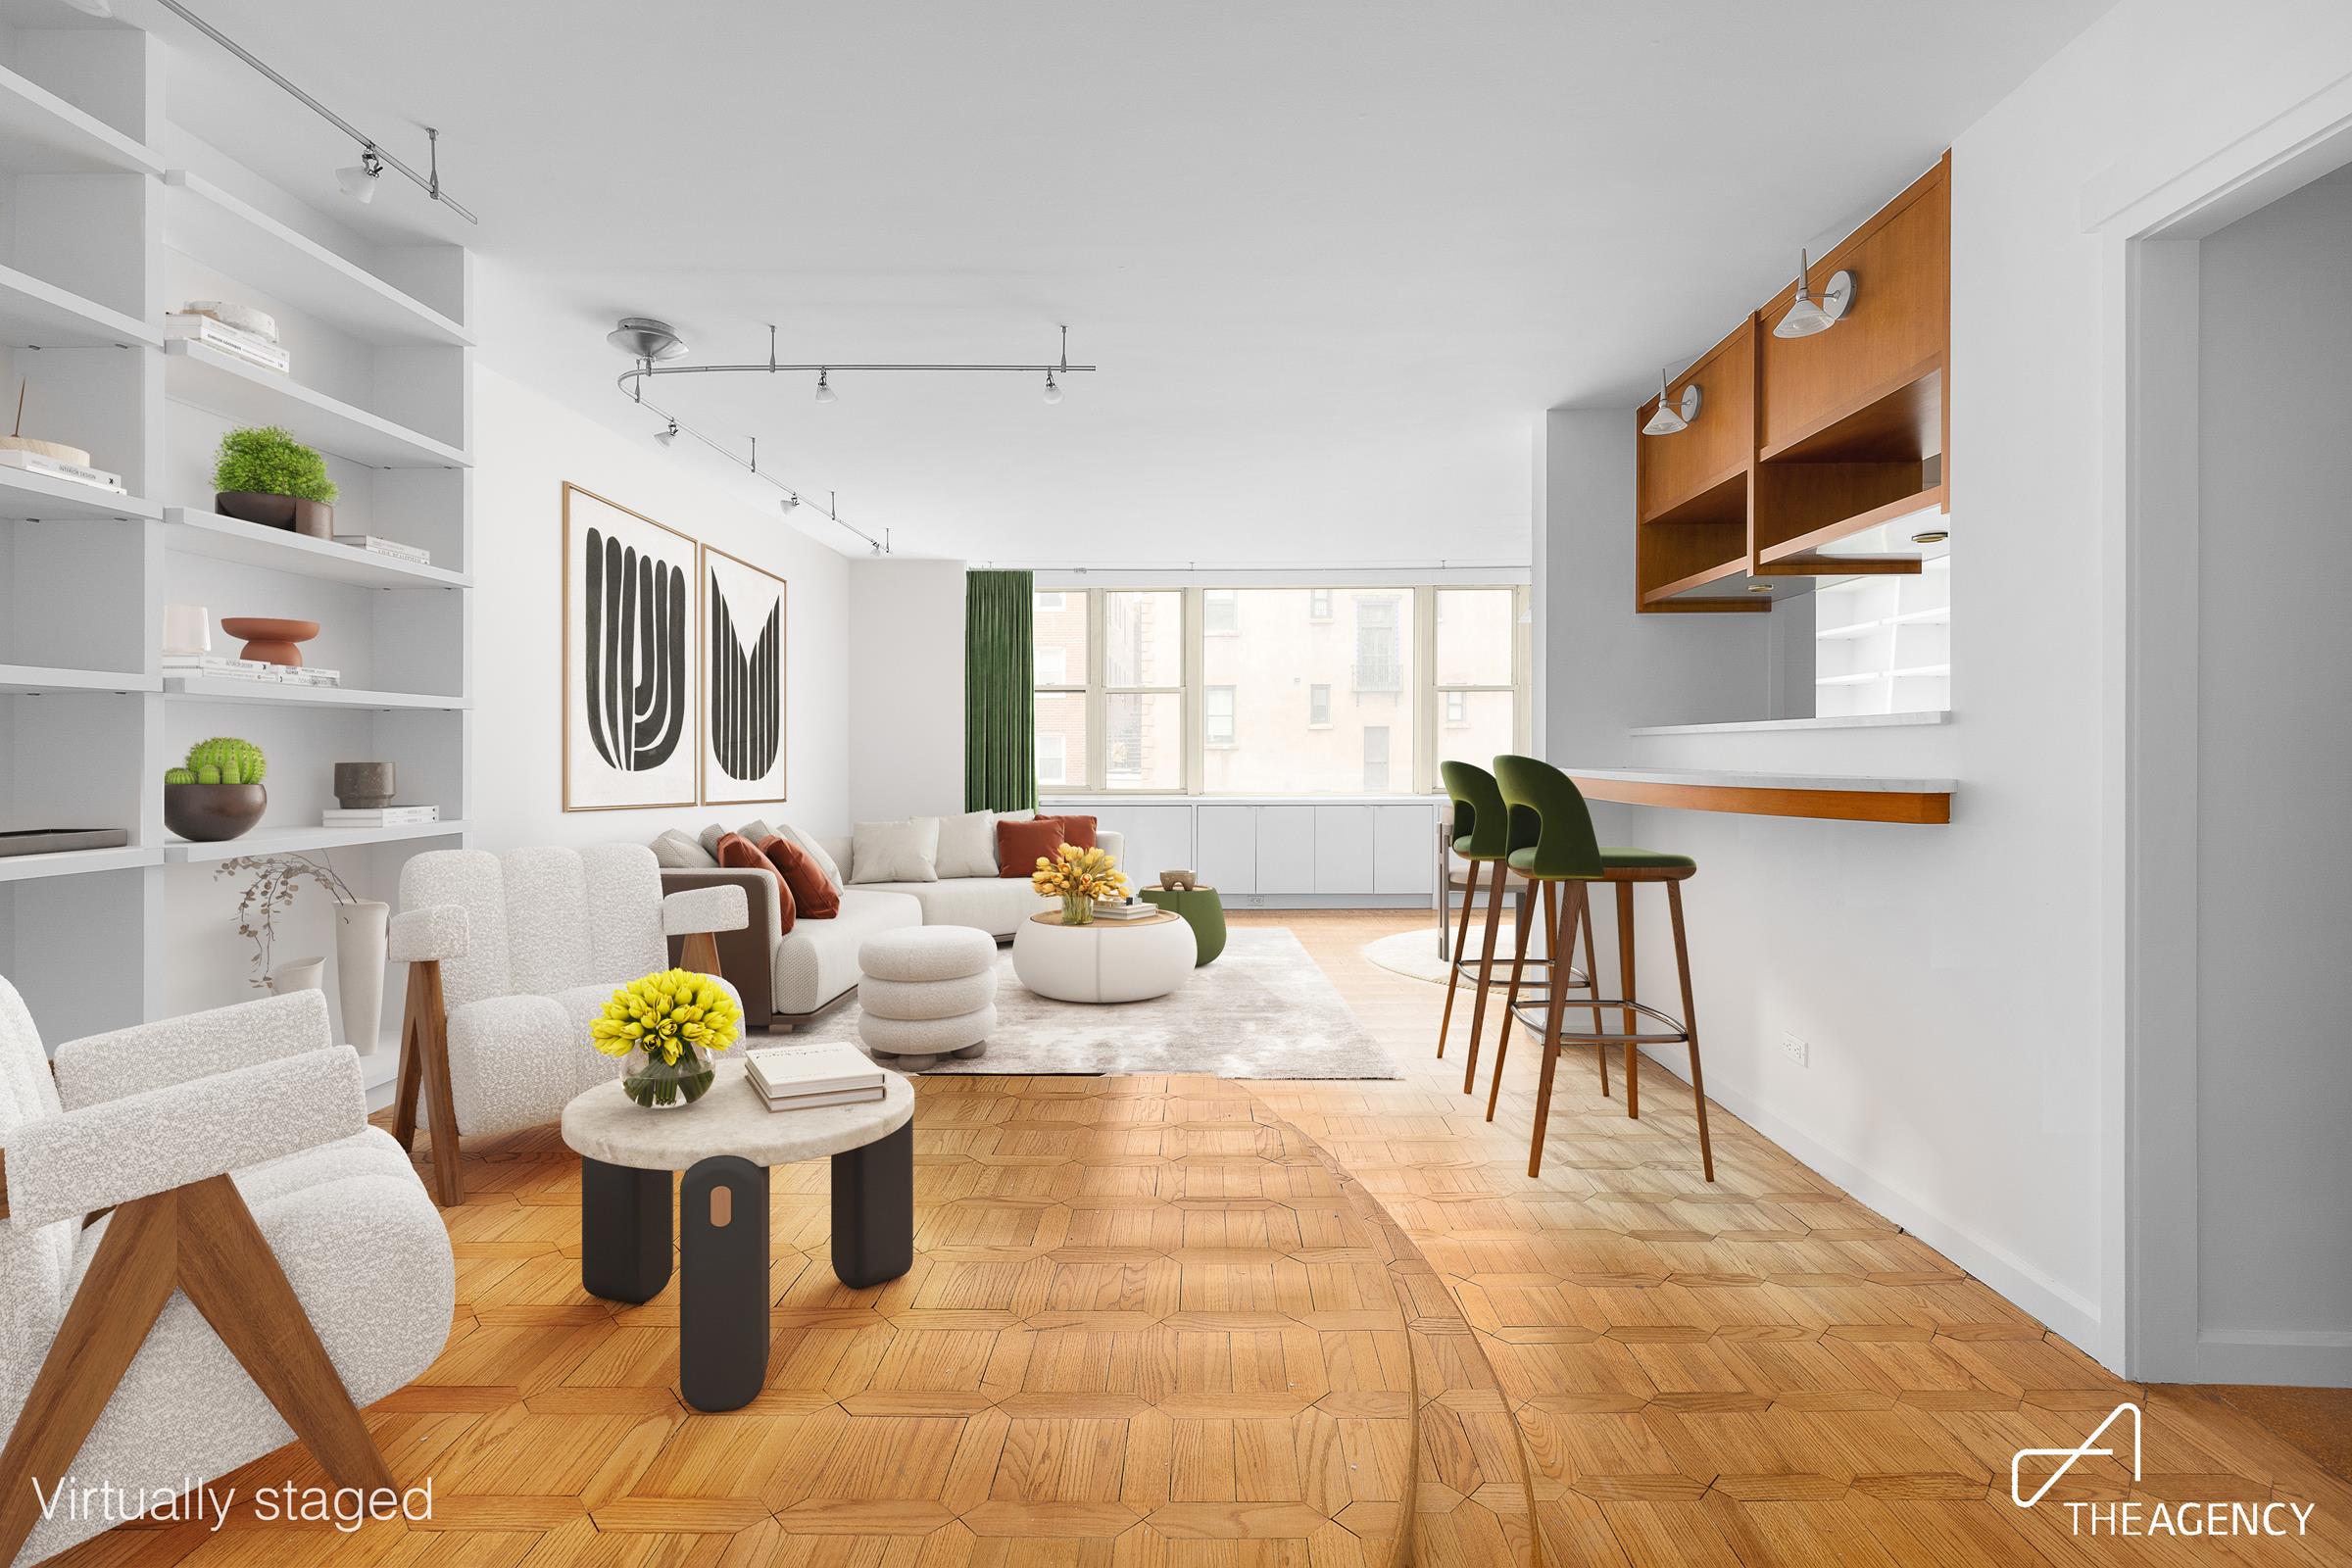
228	385
1721	501
1902	420
78	863
228	689
38	680
38	498
1725	587
1919	802
37	315
191	531
1804	508
303	840
41	133
224	233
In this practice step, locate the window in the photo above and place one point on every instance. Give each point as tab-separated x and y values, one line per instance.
1477	659
1216	717
1275	691
1051	602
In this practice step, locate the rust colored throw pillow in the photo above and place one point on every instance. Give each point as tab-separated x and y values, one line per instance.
1021	844
738	854
1078	831
813	896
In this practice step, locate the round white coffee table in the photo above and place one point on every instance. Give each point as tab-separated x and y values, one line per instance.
725	1142
1105	960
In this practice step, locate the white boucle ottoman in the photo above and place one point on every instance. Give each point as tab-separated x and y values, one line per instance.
927	992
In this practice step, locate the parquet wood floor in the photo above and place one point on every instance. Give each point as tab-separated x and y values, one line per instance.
1179	1323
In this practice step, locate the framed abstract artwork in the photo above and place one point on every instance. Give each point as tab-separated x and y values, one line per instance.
742	681
630	664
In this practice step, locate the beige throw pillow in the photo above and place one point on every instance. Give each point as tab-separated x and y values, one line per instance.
967	844
677	851
896	852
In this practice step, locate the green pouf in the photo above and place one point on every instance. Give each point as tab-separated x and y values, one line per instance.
1201	910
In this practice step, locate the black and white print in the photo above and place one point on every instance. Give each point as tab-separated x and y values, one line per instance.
742	681
630	670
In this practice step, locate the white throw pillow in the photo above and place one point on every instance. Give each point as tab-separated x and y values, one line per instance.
967	844
677	851
815	851
896	852
757	831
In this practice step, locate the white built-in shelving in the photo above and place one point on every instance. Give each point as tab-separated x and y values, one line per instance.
1881	644
118	216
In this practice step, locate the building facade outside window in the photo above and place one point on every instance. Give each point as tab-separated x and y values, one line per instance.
1216	717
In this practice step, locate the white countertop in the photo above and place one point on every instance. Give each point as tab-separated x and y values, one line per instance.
1833	721
1763	781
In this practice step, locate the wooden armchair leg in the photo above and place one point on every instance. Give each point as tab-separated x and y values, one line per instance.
424	1064
200	1239
699	952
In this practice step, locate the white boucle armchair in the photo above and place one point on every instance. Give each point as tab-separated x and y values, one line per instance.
511	959
270	1263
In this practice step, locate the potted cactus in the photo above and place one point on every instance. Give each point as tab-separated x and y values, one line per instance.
264	475
218	795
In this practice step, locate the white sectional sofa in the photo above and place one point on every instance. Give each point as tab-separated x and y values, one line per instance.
787	978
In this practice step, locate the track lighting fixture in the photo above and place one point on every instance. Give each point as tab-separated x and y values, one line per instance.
1673	415
666	437
1052	391
824	389
791	502
359	180
1807	316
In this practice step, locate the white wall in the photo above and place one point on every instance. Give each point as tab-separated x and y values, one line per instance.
2275	738
526	445
1956	985
905	688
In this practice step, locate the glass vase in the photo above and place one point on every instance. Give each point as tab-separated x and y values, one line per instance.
658	1085
1077	909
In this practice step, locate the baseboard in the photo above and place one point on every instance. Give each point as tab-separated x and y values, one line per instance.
2304	1358
2058	1308
1333	901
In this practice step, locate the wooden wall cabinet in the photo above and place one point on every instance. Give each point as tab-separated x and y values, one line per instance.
1803	442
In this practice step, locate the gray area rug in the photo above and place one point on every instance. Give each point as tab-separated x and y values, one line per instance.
1262	1010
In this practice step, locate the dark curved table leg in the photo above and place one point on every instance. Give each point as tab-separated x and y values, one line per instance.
722	1291
874	1210
624	1231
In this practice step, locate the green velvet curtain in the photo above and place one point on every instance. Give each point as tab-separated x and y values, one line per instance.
999	716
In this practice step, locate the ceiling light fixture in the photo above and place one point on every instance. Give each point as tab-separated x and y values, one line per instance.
373	158
1672	417
1807	316
359	180
791	502
664	438
1932	536
1052	391
824	389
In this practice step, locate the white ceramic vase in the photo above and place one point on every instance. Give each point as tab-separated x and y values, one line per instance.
360	958
299	974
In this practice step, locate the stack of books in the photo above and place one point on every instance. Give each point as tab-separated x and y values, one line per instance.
380	815
50	468
215	666
251	346
376	545
805	1077
1137	911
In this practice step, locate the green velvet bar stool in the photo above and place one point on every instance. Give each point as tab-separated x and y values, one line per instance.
1482	837
1552	844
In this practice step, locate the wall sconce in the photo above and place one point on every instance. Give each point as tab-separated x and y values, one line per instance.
1671	418
1808	315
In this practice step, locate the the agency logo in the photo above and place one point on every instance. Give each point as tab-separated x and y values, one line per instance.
2131	1516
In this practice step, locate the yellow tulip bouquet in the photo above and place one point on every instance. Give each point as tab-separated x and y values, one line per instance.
1080	879
666	1024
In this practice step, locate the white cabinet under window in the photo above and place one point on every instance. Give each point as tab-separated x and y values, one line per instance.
1281	853
1226	857
1286	849
1343	848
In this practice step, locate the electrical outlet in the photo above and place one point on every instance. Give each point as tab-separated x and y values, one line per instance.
1794	1049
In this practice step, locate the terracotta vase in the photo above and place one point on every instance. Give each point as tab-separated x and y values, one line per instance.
211	813
313	517
270	639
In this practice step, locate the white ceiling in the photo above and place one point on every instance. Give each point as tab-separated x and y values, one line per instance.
1333	257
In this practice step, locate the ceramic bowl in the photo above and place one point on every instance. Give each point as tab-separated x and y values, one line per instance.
270	639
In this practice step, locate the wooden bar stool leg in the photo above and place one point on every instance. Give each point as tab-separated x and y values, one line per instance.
1601	1053
1625	977
1698	1088
1557	995
1461	946
1510	1002
1485	967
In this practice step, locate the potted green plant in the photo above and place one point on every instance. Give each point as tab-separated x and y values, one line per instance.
219	794
264	475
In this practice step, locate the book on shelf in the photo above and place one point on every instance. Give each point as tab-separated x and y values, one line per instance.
376	545
304	675
798	1075
50	468
380	815
267	674
268	353
214	663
